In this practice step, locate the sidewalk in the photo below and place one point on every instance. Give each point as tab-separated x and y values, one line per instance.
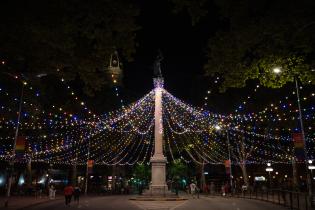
22	202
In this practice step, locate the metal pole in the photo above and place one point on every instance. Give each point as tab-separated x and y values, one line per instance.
11	163
308	177
229	151
87	170
269	179
294	172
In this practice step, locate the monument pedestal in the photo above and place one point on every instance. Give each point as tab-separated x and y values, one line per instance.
158	186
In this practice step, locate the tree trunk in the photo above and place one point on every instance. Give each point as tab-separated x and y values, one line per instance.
202	176
29	174
114	172
74	174
244	171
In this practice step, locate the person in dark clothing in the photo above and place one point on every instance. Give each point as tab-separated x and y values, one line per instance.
76	194
68	191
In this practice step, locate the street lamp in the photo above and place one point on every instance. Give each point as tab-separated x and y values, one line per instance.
311	167
277	70
269	170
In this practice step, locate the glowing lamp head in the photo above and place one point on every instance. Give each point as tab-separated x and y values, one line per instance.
276	70
268	164
269	169
217	127
311	167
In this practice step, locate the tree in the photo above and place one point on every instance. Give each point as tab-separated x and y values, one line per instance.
177	169
195	9
141	171
259	36
72	38
241	152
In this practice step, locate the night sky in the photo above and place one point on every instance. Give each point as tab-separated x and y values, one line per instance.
182	45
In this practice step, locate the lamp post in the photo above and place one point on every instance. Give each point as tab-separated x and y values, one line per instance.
311	167
269	170
87	170
278	70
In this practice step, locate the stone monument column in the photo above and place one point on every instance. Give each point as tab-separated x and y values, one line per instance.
158	160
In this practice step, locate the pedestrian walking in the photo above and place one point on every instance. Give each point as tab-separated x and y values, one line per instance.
193	189
76	194
223	189
52	192
244	189
68	191
226	188
197	191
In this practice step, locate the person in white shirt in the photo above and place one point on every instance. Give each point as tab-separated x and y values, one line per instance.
52	192
193	189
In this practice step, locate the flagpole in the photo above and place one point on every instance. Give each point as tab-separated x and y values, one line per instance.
87	170
231	176
12	158
308	175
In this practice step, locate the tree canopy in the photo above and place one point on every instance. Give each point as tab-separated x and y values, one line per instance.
259	36
73	38
177	169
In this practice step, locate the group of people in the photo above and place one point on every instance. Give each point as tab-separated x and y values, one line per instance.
70	191
193	189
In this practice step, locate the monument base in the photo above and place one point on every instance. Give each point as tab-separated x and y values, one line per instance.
158	193
158	175
158	190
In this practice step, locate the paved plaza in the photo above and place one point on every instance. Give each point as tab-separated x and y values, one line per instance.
123	203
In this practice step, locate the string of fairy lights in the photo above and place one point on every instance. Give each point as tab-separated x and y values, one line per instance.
126	136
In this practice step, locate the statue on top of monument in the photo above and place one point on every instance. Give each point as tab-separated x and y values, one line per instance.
157	65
